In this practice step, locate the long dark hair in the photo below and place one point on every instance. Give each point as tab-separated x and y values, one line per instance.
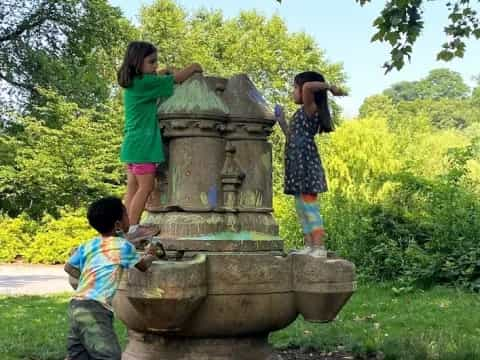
321	99
136	52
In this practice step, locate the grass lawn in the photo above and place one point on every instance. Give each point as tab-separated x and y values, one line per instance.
441	323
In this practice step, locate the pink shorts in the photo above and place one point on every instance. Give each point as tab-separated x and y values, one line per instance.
142	169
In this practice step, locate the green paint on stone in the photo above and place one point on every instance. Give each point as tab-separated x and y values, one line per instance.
194	96
163	198
237	236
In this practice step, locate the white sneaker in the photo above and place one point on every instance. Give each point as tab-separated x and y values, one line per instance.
306	250
318	251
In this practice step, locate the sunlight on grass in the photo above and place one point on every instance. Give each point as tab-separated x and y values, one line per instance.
437	324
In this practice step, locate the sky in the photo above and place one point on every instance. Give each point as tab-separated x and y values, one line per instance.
343	30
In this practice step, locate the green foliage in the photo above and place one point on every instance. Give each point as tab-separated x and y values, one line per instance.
403	203
290	229
70	162
15	236
377	106
247	43
438	84
67	46
401	23
443	113
442	97
47	241
55	238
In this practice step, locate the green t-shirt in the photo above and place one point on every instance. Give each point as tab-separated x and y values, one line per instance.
142	141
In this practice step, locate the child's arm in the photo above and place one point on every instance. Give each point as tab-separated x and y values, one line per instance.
165	71
73	265
72	270
182	75
308	94
147	260
280	117
74	273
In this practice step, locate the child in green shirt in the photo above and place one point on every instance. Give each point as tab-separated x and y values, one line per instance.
142	147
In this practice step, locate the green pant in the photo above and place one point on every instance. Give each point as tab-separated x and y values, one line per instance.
91	335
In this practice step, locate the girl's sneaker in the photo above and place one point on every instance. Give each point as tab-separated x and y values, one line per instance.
318	251
306	250
142	233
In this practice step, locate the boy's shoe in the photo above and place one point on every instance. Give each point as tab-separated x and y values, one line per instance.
142	233
318	251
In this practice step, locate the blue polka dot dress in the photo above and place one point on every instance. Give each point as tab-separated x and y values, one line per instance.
304	173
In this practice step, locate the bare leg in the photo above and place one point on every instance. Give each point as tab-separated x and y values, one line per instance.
132	188
138	201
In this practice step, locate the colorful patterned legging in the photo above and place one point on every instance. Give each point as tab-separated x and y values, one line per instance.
308	212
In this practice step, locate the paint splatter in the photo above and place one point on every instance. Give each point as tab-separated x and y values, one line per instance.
212	196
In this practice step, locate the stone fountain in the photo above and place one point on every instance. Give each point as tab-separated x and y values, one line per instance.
227	282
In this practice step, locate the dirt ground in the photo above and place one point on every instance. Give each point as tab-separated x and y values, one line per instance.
311	354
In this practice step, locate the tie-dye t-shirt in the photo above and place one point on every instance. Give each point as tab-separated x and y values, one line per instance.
101	262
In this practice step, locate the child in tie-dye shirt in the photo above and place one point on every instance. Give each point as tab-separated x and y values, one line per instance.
98	265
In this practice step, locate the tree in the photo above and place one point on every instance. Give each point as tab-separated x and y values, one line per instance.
441	99
402	91
442	113
443	84
251	43
476	93
438	84
68	164
377	105
64	45
401	22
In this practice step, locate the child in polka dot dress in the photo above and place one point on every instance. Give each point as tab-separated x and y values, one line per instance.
304	172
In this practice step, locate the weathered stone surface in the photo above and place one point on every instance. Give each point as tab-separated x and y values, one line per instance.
248	293
163	298
227	283
241	315
255	194
188	245
248	273
194	184
321	286
219	160
155	347
245	102
212	225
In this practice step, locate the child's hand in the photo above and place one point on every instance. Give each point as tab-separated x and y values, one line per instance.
151	250
278	110
196	67
336	91
155	247
182	75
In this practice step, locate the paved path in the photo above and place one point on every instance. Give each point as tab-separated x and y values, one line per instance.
26	279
